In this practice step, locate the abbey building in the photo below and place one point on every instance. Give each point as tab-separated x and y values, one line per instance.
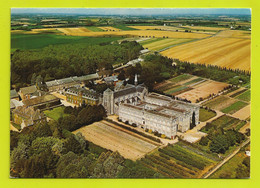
133	104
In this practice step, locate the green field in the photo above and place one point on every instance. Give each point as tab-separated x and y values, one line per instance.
181	78
193	81
217	101
178	161
225	122
175	89
55	113
123	27
246	96
35	41
234	107
206	114
94	29
148	41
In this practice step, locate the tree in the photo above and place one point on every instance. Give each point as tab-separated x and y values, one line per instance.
219	144
19	153
33	79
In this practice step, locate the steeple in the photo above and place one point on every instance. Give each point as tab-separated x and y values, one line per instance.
136	82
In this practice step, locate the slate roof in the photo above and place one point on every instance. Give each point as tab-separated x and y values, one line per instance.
72	79
28	90
85	93
39	100
128	90
13	94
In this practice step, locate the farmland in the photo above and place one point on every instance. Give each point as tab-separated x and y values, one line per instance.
109	136
68	31
224	121
179	161
161	44
229	49
34	41
203	90
246	96
190	87
234	107
109	28
219	102
206	114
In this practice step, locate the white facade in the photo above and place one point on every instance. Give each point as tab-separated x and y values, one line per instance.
160	113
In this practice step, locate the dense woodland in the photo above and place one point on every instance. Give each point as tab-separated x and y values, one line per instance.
50	150
60	61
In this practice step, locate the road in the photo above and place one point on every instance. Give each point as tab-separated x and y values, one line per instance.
225	160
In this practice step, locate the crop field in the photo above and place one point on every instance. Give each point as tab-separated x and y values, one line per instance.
224	121
108	136
203	90
72	30
178	161
243	113
205	115
34	41
157	27
219	102
110	28
144	33
246	96
205	28
175	89
162	44
234	107
94	29
180	78
229	49
123	27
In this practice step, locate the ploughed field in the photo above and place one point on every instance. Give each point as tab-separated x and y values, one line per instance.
228	48
112	137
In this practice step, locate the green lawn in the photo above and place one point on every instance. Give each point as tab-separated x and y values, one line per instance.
234	107
55	113
94	29
123	27
206	114
181	78
246	96
35	41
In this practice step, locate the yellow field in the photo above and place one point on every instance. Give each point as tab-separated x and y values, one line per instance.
164	43
144	33
235	34
166	28
70	31
229	49
206	28
109	29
